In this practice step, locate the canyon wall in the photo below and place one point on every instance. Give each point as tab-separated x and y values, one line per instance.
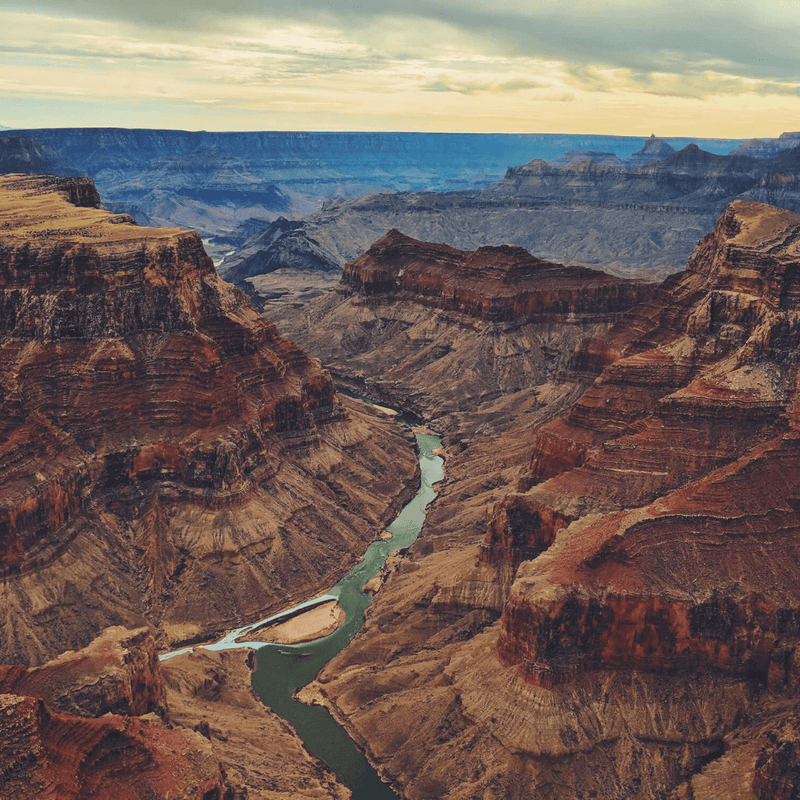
639	222
622	621
170	468
470	339
160	441
109	720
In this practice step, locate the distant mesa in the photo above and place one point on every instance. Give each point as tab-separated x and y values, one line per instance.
767	148
493	283
595	156
654	149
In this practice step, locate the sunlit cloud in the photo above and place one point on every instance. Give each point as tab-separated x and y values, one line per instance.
609	65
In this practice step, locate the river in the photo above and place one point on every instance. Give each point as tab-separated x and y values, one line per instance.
283	669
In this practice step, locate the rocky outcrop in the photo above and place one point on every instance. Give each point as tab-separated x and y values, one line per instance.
766	148
82	726
654	149
440	331
111	721
117	673
50	755
647	643
160	441
698	456
497	284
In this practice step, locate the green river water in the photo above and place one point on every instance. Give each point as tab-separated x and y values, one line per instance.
282	669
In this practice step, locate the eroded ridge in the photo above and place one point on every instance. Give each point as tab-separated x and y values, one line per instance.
648	645
160	442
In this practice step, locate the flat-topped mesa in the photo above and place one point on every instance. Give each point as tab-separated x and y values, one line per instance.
492	283
684	447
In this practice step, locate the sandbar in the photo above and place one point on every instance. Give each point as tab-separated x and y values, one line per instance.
322	620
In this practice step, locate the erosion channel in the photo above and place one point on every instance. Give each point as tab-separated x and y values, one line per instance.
283	669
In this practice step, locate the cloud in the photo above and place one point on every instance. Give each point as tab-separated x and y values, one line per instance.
608	56
756	39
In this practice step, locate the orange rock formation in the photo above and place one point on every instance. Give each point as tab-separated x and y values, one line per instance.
159	442
645	566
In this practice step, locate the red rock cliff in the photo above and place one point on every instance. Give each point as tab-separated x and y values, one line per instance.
491	283
72	729
666	501
158	440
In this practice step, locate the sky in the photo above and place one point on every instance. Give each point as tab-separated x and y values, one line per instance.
717	68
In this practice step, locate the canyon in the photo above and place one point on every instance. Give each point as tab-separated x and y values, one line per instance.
603	601
230	185
170	465
637	219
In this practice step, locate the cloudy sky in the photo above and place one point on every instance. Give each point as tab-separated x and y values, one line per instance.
724	68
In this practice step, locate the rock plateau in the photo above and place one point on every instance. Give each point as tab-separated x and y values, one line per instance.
465	338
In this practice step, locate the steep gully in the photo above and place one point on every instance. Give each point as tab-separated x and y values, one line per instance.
281	670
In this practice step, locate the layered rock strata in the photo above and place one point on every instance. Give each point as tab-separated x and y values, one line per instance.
691	427
647	646
166	457
110	721
641	222
91	725
441	331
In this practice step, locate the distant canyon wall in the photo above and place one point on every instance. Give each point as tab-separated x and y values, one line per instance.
228	185
640	222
